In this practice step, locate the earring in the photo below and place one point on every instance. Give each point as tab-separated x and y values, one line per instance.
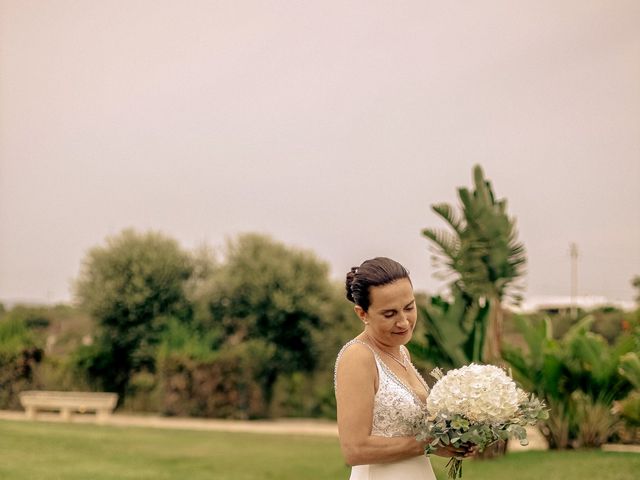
366	323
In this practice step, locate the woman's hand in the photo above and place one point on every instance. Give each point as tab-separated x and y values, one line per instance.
463	451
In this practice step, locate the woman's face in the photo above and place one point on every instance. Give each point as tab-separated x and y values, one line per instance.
392	313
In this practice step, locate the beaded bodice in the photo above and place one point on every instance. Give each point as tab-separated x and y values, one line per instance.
395	405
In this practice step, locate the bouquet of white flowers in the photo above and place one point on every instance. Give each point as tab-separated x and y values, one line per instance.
476	405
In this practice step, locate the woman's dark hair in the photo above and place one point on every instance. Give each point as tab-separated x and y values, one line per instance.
372	273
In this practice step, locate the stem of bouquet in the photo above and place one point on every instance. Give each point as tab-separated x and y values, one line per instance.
454	466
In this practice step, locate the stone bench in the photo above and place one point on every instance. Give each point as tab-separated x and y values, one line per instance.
69	402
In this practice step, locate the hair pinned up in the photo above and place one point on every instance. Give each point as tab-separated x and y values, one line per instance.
372	273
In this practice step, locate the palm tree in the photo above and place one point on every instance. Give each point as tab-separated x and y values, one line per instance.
454	330
481	254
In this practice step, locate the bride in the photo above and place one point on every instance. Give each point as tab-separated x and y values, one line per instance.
378	390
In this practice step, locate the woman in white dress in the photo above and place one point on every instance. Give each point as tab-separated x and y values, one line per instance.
378	390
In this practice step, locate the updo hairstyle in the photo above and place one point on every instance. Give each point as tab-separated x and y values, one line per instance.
372	273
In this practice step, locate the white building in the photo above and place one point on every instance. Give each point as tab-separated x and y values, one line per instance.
559	303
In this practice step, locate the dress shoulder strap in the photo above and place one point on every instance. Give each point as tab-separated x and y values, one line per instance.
342	350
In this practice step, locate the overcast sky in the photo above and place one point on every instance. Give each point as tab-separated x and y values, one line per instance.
331	125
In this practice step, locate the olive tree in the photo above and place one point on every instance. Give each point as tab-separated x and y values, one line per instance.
277	294
130	286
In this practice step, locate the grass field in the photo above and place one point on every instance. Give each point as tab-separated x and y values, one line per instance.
34	451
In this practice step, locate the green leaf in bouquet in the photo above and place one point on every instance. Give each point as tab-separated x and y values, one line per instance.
460	423
466	437
474	437
517	431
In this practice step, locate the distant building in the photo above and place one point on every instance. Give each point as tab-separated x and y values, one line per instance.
563	304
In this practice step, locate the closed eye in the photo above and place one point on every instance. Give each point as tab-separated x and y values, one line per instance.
392	313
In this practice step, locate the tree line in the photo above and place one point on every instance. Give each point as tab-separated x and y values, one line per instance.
253	330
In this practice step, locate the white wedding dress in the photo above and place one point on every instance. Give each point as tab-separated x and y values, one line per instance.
394	405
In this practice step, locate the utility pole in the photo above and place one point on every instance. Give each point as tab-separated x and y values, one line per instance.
573	250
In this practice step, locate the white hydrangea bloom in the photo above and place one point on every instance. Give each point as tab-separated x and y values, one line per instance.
481	393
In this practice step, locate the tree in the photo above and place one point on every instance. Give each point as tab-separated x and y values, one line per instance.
481	254
130	286
281	295
454	332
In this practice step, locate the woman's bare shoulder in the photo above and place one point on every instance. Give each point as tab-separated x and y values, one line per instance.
355	364
356	350
356	355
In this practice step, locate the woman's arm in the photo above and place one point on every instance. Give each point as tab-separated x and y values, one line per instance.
356	381
356	384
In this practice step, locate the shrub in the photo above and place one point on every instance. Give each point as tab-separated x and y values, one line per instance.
304	395
19	355
577	375
629	407
594	420
228	385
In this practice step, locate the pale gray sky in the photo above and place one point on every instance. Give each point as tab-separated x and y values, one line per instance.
331	125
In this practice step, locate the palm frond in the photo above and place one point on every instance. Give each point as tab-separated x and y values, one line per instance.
449	215
448	243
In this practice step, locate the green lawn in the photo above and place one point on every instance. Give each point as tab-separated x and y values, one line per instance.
49	451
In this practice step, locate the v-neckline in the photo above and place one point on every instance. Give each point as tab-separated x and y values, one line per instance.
397	379
404	384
